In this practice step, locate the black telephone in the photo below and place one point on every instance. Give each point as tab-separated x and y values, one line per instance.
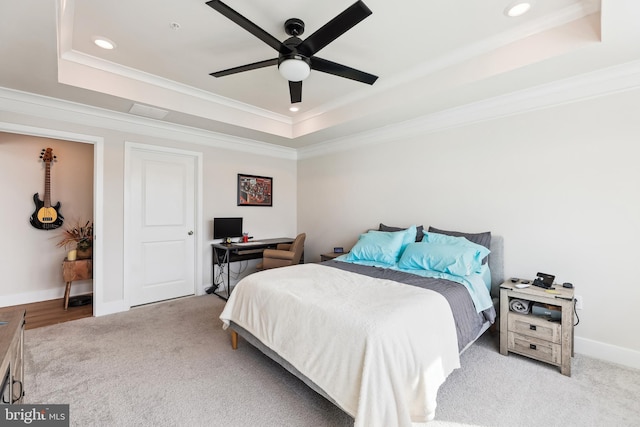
544	280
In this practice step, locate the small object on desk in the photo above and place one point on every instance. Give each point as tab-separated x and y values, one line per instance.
526	282
552	291
522	285
544	280
338	250
567	285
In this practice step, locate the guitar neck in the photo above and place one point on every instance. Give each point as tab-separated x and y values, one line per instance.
47	185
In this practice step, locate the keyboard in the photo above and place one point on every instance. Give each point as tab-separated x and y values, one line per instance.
248	243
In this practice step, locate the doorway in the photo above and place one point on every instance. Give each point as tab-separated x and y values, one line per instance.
161	214
52	274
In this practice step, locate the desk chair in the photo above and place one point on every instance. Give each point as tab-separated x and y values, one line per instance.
284	254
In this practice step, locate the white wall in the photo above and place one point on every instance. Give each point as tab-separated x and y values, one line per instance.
562	185
220	169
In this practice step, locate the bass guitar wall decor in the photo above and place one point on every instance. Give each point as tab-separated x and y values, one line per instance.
46	217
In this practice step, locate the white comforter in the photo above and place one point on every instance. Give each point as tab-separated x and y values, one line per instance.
379	348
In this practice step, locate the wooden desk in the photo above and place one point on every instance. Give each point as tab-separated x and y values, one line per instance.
224	254
80	269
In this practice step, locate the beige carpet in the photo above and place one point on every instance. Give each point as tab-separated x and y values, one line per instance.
170	364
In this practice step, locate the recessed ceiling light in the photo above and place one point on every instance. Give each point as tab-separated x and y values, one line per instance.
294	109
104	43
517	9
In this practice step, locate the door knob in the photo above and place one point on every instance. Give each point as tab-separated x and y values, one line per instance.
190	233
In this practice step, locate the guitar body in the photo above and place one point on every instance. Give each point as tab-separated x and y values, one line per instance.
46	218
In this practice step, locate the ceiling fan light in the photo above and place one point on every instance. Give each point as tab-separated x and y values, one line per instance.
294	69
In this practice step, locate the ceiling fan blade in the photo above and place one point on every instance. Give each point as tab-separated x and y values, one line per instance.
248	25
334	28
295	89
336	69
247	67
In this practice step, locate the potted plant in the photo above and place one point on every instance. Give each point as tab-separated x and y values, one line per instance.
78	238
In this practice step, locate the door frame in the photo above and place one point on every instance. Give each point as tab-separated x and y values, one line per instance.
129	146
99	307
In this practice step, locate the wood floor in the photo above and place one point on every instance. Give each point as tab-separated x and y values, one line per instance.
50	312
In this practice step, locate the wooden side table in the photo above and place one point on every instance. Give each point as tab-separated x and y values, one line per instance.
80	269
535	336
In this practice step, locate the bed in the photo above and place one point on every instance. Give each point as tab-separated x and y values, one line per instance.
378	330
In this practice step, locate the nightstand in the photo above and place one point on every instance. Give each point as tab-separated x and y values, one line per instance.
536	336
329	256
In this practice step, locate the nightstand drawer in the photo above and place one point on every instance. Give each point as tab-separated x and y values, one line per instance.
536	327
542	350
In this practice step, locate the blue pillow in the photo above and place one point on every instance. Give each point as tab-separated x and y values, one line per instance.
443	238
483	239
378	246
457	258
419	230
409	236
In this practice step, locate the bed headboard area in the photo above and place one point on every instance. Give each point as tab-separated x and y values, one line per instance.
496	264
494	243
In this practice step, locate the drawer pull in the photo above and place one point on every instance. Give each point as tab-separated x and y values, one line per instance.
532	327
532	346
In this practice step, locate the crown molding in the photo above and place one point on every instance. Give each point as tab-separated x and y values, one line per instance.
594	84
65	28
241	114
170	85
484	46
52	108
585	86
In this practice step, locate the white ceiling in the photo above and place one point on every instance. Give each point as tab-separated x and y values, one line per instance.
430	56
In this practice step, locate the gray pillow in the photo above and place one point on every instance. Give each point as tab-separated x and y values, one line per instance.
419	232
483	239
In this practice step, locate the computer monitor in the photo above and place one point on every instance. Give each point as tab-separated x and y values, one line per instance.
227	227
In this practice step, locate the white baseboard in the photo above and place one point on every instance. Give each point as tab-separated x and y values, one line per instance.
112	307
78	288
610	353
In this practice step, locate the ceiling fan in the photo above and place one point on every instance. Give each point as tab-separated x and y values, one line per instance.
296	58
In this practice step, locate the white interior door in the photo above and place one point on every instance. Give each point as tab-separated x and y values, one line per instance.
160	262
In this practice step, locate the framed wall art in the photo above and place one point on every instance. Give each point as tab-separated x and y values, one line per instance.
255	190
